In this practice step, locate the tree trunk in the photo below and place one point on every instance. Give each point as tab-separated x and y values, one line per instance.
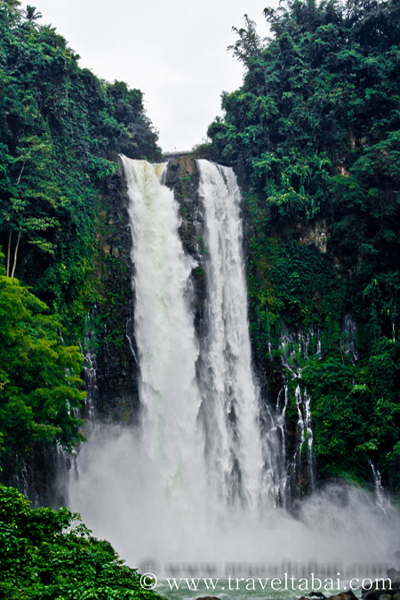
8	254
15	254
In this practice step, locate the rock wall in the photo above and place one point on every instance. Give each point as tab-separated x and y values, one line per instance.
183	178
112	318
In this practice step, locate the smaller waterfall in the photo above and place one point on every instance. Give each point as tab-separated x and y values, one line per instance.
295	349
381	501
90	372
305	434
273	437
349	334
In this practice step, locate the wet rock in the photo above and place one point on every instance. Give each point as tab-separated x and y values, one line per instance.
349	595
371	594
180	167
394	575
183	178
316	234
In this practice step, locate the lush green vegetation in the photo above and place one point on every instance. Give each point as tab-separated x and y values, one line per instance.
60	126
51	554
40	381
313	134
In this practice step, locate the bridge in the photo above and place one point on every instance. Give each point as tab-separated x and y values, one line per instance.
177	153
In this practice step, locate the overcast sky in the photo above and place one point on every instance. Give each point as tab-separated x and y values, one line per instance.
175	51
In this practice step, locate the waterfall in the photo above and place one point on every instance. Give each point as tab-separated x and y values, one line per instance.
89	373
163	329
202	476
230	404
381	499
349	334
295	349
305	434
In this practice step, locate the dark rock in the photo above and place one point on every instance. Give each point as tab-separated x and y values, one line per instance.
180	167
183	178
394	575
349	595
384	587
371	594
117	394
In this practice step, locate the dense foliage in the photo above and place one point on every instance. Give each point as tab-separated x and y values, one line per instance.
51	554
58	125
313	134
39	376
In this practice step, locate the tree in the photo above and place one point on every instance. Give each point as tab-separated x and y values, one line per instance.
40	383
30	206
31	14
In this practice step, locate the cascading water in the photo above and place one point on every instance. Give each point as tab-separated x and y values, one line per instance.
305	433
381	498
163	329
295	348
199	480
89	373
230	408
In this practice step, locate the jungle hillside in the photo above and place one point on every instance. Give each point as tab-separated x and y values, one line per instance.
313	135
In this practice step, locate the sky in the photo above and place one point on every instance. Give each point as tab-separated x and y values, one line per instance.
174	51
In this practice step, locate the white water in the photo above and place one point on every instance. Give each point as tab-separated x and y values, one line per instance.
305	425
196	482
230	409
164	332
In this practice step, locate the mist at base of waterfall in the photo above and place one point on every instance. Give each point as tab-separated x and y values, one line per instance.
120	494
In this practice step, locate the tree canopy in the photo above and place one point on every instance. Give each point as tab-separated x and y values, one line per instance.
313	134
40	384
59	125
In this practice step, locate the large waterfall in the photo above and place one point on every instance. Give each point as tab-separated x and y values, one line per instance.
201	478
164	331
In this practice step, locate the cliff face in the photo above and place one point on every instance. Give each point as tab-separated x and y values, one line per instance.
183	178
111	338
110	335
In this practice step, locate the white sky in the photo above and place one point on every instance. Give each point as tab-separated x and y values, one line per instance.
174	51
